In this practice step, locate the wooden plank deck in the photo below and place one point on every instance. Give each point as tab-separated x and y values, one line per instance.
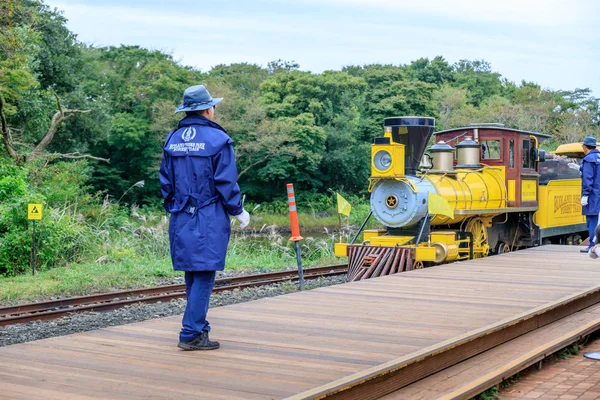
477	374
280	347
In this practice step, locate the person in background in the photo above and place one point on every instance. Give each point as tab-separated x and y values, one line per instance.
594	252
590	186
198	179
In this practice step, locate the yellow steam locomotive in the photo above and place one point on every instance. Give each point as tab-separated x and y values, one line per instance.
479	190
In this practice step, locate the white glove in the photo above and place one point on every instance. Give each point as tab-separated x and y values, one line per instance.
244	219
584	200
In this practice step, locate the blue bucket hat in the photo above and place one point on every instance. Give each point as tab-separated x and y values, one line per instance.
589	141
196	98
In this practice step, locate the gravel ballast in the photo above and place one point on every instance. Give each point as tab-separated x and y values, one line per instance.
82	322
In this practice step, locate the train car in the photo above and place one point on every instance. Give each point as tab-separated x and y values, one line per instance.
478	190
572	151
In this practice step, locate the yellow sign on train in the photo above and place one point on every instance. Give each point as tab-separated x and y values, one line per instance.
439	206
529	190
34	211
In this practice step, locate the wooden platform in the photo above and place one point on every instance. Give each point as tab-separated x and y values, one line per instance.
477	374
301	344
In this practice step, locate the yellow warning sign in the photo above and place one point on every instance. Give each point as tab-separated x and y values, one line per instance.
34	211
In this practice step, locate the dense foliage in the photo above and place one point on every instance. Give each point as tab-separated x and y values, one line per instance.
60	98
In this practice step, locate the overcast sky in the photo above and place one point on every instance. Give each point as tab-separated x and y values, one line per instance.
551	42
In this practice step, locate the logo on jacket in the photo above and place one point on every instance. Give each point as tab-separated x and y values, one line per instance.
188	134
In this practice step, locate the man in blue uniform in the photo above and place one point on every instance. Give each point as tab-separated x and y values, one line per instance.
198	179
590	186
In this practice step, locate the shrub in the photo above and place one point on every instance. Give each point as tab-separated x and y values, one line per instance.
62	183
58	234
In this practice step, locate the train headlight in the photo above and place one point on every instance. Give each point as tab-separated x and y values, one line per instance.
387	160
382	160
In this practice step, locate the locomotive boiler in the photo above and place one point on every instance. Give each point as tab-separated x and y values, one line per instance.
479	190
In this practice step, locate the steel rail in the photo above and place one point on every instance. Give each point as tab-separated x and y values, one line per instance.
109	301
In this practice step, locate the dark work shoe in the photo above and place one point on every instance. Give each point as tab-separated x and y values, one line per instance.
584	250
201	342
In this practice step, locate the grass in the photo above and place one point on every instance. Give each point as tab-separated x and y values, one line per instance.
247	254
312	221
569	352
113	247
307	222
490	394
92	242
84	278
244	254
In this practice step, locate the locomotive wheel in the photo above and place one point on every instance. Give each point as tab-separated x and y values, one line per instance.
418	265
573	239
481	248
502	248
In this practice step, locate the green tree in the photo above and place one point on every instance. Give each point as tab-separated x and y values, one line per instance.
453	108
242	78
436	71
58	61
41	65
18	43
325	108
141	89
579	115
479	80
390	92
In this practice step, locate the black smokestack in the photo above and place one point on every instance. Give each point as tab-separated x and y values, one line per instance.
414	133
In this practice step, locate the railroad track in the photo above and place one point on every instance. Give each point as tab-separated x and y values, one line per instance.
54	309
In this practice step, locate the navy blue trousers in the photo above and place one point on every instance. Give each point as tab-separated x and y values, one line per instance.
198	287
591	221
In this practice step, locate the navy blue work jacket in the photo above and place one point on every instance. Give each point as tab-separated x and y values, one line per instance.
590	182
198	180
